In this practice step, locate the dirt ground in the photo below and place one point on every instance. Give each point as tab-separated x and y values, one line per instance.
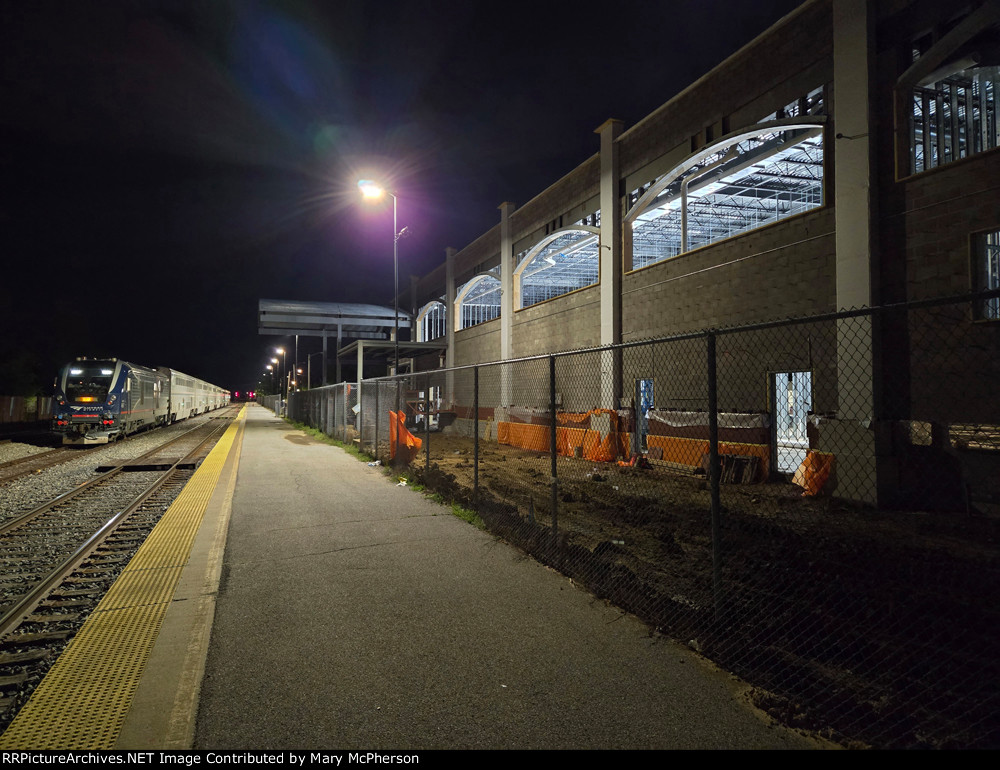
872	628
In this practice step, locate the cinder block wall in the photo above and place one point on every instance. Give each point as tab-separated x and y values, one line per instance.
566	198
785	269
926	225
478	343
931	240
940	209
784	63
564	323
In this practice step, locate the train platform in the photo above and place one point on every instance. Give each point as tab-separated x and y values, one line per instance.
318	605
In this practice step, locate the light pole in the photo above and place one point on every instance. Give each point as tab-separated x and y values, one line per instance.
374	191
284	368
309	368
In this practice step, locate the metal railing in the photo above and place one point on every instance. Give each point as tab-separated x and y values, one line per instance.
811	503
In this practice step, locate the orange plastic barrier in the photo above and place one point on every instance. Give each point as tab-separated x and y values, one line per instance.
537	439
399	435
813	473
689	451
568	439
523	435
613	446
567	419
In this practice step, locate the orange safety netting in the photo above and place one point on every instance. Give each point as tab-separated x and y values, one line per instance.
398	434
813	473
689	451
590	442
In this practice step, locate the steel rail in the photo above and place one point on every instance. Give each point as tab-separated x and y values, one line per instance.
12	524
17	613
22	466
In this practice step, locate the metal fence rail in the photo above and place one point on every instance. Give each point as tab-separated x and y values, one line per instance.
813	504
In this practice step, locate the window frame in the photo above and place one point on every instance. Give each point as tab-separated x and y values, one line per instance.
932	62
984	263
645	201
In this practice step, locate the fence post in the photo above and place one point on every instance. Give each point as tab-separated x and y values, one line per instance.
713	475
361	418
427	424
377	389
475	439
552	448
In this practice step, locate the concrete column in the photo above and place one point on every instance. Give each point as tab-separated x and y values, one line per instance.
340	342
611	264
853	171
361	365
506	300
361	376
324	357
450	312
852	437
414	307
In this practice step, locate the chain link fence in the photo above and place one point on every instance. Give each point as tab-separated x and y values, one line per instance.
812	504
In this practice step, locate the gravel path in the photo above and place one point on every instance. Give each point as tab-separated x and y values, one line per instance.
11	450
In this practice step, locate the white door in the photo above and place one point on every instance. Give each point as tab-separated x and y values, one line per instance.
792	404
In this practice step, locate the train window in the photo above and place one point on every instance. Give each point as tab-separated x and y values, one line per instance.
88	383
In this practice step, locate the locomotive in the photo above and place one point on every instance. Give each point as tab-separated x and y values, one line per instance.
100	400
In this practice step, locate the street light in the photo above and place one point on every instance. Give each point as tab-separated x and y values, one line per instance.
284	368
373	191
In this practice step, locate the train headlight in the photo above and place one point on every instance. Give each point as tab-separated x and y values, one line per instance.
112	398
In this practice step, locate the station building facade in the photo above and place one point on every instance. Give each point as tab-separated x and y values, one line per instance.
846	158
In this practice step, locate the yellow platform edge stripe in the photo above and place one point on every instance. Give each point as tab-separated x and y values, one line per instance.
82	702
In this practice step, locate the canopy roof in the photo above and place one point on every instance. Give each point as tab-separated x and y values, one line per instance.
353	320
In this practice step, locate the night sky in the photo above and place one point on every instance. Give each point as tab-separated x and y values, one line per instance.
167	163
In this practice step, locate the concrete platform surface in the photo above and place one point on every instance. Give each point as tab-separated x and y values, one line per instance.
351	613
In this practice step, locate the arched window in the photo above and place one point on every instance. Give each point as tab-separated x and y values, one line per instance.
478	301
431	321
745	181
561	262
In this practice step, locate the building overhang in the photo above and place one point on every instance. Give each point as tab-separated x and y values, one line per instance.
350	320
379	349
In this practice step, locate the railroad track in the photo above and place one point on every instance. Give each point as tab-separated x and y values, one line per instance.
33	463
58	560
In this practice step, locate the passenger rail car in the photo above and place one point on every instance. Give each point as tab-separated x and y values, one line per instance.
101	400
